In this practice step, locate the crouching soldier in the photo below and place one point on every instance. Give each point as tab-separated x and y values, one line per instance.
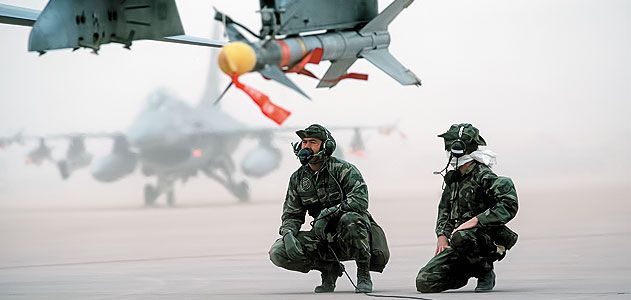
333	192
474	208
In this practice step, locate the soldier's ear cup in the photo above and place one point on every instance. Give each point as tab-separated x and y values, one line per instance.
329	147
329	144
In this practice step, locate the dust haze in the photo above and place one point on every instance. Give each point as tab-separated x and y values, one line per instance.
548	84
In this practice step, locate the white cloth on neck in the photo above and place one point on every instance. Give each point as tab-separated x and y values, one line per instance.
486	157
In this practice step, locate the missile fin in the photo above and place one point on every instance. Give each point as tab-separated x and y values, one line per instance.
382	20
391	66
337	69
276	74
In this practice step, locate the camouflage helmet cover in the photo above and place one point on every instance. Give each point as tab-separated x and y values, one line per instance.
319	132
314	131
470	136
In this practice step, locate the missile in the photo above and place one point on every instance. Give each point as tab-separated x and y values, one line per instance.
342	48
272	57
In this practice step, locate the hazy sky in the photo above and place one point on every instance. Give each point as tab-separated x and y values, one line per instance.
548	83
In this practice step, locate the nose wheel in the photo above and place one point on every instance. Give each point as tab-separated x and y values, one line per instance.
151	194
241	190
170	198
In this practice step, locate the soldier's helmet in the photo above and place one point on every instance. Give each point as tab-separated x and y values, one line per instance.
318	131
464	132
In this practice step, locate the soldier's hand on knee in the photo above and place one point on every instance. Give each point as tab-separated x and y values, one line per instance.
292	247
323	219
442	244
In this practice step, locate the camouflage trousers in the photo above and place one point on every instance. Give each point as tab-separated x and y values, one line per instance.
471	254
349	238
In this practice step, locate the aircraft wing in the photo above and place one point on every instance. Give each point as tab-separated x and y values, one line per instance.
17	15
51	31
192	40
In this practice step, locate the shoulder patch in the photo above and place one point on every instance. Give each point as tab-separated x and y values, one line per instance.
305	184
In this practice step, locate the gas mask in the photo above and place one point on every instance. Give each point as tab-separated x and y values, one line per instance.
304	155
456	162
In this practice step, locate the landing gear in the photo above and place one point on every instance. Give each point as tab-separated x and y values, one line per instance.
241	191
222	172
62	166
151	194
171	198
164	186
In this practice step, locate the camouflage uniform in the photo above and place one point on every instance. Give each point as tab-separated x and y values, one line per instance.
336	183
477	192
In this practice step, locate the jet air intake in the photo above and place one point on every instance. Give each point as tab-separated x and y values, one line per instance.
119	163
261	161
76	157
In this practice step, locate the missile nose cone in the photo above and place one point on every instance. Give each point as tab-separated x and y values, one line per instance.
237	58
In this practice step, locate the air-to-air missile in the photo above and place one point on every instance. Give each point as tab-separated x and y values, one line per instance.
341	32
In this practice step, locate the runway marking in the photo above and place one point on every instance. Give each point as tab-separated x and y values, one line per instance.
133	260
239	255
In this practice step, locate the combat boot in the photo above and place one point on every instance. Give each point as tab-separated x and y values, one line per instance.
364	284
330	273
486	282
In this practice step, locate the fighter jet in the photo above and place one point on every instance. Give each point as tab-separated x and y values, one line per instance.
294	33
171	141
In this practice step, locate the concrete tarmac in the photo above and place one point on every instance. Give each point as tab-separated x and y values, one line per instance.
573	245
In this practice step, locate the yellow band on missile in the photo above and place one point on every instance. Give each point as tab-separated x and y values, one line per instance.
237	58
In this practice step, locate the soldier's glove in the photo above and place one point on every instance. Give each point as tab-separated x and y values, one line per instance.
323	219
292	247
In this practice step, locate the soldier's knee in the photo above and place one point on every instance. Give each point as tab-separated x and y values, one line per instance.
350	218
425	285
277	253
354	221
353	226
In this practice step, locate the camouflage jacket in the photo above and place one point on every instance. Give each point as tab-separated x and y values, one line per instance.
478	192
337	183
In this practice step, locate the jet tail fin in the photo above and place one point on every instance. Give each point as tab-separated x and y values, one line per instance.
383	19
212	90
391	66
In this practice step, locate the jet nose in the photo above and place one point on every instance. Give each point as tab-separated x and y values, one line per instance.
237	58
143	132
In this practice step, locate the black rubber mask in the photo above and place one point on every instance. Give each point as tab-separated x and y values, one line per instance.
305	155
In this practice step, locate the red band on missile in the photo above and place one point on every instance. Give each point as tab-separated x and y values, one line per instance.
316	56
285	53
313	57
269	109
